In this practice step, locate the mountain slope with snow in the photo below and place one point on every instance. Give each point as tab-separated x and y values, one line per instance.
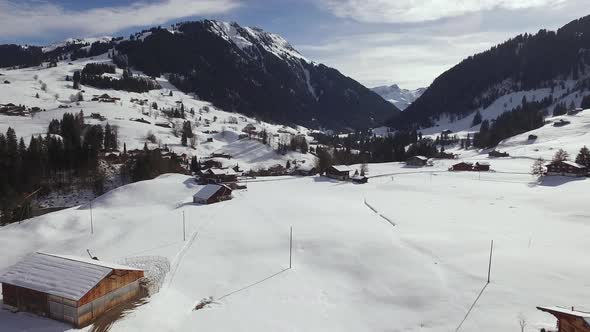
402	98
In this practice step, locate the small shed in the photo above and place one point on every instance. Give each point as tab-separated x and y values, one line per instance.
498	154
462	166
566	168
417	161
569	320
71	289
339	172
481	166
213	193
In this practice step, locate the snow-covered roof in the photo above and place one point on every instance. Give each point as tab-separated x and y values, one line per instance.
217	171
66	276
420	157
571	163
483	163
581	314
209	190
342	168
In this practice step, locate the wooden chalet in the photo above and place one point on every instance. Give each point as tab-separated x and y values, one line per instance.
481	166
417	161
213	193
218	175
71	289
339	172
566	168
569	320
462	166
498	154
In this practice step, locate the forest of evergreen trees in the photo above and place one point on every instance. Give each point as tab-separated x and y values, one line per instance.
92	75
525	117
67	157
458	91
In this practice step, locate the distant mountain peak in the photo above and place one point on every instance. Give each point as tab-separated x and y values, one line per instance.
402	98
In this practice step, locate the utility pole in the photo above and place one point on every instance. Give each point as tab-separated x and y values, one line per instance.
183	227
490	264
91	223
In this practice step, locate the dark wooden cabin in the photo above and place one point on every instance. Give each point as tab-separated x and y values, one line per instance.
462	166
569	320
71	289
339	172
566	168
481	166
417	161
212	193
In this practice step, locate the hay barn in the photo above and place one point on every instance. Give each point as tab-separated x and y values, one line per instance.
71	289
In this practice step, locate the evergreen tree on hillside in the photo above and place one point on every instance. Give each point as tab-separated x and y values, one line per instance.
476	119
583	158
585	102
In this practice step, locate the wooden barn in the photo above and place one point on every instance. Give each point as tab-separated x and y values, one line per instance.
566	168
212	193
71	289
218	175
481	166
462	166
569	320
417	161
339	172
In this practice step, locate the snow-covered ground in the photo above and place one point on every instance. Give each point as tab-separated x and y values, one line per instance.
23	88
352	270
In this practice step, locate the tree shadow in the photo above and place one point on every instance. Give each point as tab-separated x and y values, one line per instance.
556	181
253	284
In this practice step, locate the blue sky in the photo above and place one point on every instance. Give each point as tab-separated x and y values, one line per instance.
376	42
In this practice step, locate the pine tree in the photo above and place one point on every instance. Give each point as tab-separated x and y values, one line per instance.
583	157
476	119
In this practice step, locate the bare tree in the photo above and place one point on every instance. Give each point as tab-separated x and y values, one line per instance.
522	322
538	168
561	155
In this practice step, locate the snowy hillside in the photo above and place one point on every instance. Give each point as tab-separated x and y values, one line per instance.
352	269
209	122
402	98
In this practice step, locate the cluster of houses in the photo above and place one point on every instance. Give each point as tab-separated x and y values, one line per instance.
105	98
219	185
17	110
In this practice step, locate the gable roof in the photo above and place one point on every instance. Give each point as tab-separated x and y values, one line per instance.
563	311
341	168
209	190
419	157
70	277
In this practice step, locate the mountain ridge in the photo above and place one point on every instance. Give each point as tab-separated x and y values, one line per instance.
401	98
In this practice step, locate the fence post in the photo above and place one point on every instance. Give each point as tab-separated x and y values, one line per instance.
183	227
490	263
291	247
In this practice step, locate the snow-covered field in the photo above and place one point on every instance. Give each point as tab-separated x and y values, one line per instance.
352	270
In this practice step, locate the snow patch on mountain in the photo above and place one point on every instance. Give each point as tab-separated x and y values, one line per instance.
402	98
75	41
247	37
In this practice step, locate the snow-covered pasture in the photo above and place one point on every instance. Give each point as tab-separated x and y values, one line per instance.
352	270
27	83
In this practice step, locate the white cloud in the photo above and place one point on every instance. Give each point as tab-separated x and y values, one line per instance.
40	18
409	59
406	11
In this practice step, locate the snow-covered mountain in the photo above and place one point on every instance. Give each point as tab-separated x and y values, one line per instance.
402	98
